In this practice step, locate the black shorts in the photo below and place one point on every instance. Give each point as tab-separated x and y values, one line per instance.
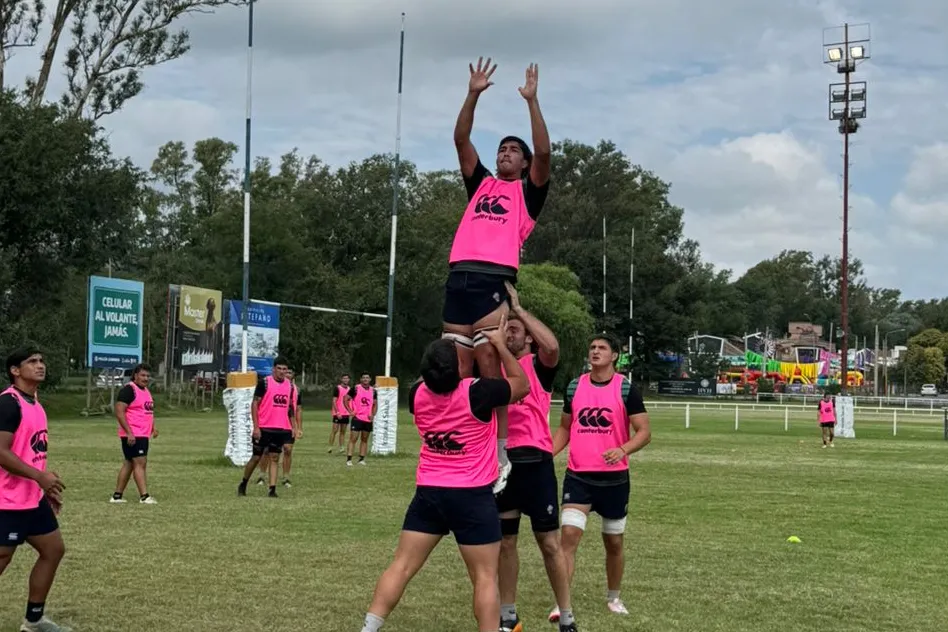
361	426
532	489
288	438
827	424
609	501
270	441
470	514
16	525
470	296
342	421
137	451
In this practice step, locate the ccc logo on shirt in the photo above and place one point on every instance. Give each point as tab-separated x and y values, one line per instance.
491	205
593	420
365	400
149	406
40	444
443	442
281	400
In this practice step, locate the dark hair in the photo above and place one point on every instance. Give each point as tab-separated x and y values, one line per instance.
439	367
609	339
18	357
281	361
364	373
139	368
344	375
524	148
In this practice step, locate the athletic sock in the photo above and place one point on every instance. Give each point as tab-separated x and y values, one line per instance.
244	481
373	623
117	496
612	595
502	451
566	617
34	610
348	458
361	458
508	612
144	496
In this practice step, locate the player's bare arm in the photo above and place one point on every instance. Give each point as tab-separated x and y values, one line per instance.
542	149
641	438
479	81
120	408
519	384
561	436
547	344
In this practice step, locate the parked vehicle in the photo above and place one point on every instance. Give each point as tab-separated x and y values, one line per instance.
929	390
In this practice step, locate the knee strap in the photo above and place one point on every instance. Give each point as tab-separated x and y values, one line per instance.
574	518
613	527
480	336
459	339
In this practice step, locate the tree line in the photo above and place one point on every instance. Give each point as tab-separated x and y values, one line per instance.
320	234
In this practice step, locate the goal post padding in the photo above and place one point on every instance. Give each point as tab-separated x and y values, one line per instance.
385	426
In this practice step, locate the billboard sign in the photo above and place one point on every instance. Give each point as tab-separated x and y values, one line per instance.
114	323
199	326
263	336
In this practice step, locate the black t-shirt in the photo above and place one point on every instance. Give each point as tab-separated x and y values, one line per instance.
291	409
126	395
534	197
529	454
486	394
10	415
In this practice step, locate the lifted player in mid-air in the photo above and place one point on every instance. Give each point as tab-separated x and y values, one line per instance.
501	213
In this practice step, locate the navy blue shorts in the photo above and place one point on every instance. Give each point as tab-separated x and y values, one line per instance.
609	501
470	514
17	525
470	296
137	451
270	441
361	426
532	489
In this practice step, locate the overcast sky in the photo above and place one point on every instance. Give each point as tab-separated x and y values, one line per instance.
727	100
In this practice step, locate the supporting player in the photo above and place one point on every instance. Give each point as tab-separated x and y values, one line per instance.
295	412
135	412
340	415
826	416
599	409
532	486
456	420
30	496
271	420
362	402
501	213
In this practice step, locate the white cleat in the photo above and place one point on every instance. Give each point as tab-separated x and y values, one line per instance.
148	501
503	474
554	615
616	606
43	625
116	501
348	463
362	463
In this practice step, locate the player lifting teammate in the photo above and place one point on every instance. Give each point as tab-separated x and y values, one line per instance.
457	465
598	410
135	412
501	213
532	486
30	496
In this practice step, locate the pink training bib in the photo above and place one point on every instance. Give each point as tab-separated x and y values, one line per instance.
528	423
30	443
362	402
494	226
273	410
600	423
827	413
458	450
140	414
339	401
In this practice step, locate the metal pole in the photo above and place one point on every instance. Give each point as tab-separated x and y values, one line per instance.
603	268
395	182
246	272
631	301
844	290
875	366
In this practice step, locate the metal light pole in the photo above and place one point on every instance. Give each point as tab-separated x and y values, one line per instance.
245	295
391	257
851	96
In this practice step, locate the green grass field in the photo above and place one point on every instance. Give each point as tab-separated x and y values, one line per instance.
706	542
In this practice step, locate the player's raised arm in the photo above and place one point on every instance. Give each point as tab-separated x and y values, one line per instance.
480	81
548	347
542	149
519	384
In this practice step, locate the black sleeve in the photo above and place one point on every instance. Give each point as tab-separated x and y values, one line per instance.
10	415
375	394
633	402
299	397
486	395
535	197
411	396
126	395
546	374
568	397
472	183
352	392
261	389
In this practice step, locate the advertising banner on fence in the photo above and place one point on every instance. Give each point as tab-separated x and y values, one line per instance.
199	327
690	388
263	336
115	322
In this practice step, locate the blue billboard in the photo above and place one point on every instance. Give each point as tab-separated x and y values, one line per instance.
263	336
115	323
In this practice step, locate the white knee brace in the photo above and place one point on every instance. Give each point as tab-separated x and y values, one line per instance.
613	527
573	518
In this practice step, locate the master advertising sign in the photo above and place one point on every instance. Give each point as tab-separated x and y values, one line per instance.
199	328
263	336
115	322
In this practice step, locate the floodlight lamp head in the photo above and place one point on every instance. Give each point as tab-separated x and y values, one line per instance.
857	52
834	54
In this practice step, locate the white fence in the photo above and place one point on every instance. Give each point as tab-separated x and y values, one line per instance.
865	411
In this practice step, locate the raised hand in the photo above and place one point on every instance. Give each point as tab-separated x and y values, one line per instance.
480	76
529	89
